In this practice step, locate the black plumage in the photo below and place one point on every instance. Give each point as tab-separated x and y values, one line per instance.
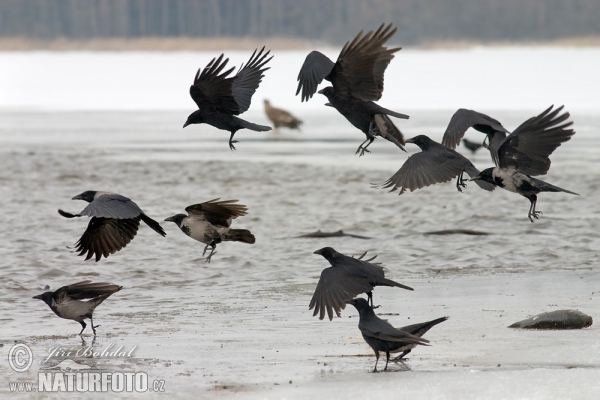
357	81
280	117
473	146
525	154
115	222
68	301
210	223
345	279
434	164
220	97
381	335
419	330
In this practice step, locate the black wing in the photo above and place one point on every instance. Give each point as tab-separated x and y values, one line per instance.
464	119
382	330
111	206
85	290
316	67
105	236
527	149
217	212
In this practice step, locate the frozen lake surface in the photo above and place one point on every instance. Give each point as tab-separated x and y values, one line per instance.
240	326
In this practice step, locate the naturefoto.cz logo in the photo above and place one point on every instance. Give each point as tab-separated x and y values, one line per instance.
69	375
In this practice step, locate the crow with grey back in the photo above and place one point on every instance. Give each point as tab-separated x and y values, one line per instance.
68	301
434	164
115	222
280	117
220	97
345	279
381	335
210	223
357	81
525	153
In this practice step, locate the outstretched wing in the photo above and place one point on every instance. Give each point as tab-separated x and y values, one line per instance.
246	81
316	67
464	119
527	149
105	236
217	212
85	290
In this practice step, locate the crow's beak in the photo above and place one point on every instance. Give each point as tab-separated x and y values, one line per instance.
351	301
38	297
320	91
475	178
186	124
328	104
170	219
78	197
319	252
409	140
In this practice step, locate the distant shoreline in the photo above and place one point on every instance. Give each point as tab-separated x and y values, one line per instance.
246	43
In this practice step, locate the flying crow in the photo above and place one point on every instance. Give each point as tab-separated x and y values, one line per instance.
220	98
381	335
357	79
472	145
67	302
281	117
434	164
115	222
210	222
345	279
525	154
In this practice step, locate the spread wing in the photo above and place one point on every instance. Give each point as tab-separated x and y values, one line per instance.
85	290
248	78
464	119
335	287
112	206
217	212
105	236
527	149
315	68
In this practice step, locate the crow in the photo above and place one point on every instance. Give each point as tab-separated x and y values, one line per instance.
381	335
345	279
281	117
357	79
464	119
210	222
525	154
434	164
115	221
220	97
67	302
472	145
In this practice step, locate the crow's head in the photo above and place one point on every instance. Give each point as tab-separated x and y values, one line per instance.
327	92
88	196
177	218
485	175
327	252
46	297
194	118
359	303
422	141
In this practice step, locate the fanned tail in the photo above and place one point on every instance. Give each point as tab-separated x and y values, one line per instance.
240	235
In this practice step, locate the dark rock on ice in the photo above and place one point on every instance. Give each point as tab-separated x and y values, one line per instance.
559	319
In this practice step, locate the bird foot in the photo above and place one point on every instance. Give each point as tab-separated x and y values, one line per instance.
535	214
231	146
210	256
376	307
362	151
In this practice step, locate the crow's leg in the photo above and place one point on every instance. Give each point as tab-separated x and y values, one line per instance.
532	212
401	356
370	296
92	324
485	143
360	148
214	246
231	141
83	325
460	182
376	361
206	248
387	360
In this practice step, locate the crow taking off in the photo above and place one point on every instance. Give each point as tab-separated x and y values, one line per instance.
525	153
345	279
381	335
210	223
434	164
115	222
67	302
357	79
220	98
281	117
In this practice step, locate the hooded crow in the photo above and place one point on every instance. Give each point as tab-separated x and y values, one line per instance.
345	279
525	153
381	335
115	222
434	164
464	119
210	223
67	302
357	79
220	98
281	117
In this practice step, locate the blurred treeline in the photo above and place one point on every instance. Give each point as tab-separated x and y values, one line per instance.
333	21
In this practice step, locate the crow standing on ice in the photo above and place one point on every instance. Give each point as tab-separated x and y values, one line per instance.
210	223
115	222
345	279
220	98
434	164
67	302
357	79
281	117
382	336
525	154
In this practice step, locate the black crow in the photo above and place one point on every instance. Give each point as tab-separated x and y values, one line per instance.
381	335
281	117
115	221
220	98
357	79
210	222
345	279
434	164
525	153
67	302
464	119
472	145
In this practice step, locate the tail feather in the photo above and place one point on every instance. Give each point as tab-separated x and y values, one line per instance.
240	235
254	127
422	328
388	130
68	214
389	282
153	224
382	110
